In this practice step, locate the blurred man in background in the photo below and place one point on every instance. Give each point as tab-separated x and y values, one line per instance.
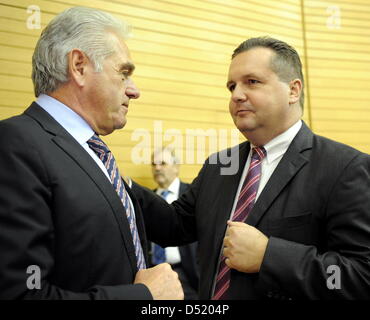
165	169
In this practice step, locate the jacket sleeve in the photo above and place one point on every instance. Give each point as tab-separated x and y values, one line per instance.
342	271
170	224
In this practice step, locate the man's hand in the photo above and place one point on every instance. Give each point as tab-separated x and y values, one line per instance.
162	282
244	247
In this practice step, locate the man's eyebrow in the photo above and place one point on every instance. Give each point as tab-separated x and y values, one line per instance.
246	76
127	67
251	75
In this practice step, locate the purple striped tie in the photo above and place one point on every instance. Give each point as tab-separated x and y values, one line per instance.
106	156
244	205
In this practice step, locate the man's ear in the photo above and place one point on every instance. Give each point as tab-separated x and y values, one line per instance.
78	64
177	166
295	89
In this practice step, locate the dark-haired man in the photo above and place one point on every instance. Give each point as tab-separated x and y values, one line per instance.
294	221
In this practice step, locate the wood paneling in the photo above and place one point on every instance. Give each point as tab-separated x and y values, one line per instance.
338	51
182	51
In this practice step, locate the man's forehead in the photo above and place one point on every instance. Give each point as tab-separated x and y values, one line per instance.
164	156
121	49
251	61
258	55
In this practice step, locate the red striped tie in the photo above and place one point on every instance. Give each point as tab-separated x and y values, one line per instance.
106	156
245	204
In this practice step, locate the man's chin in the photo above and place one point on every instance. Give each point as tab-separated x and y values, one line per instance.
245	126
159	180
120	124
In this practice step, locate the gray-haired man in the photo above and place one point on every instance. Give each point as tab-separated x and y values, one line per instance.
69	226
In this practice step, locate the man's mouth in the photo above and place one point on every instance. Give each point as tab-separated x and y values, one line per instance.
242	111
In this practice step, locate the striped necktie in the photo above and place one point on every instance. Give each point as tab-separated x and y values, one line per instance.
106	156
243	207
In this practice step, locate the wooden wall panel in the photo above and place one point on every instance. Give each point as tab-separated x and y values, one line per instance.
338	59
182	52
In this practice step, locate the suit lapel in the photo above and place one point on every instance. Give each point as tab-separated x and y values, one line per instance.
229	187
183	187
71	147
291	163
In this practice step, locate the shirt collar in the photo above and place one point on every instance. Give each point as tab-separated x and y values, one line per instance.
76	126
280	144
173	187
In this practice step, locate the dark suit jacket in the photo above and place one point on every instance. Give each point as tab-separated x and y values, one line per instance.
59	211
188	254
315	209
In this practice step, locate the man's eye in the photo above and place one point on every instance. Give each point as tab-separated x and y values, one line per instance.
231	87
125	75
253	81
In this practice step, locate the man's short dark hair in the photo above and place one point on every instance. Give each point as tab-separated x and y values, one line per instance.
286	62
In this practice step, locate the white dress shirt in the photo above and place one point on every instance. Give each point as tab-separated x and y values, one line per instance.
173	189
172	253
275	149
75	125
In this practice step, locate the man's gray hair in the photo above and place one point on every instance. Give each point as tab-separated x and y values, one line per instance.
170	150
80	28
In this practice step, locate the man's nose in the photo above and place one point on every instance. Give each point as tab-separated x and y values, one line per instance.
157	166
238	94
132	91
